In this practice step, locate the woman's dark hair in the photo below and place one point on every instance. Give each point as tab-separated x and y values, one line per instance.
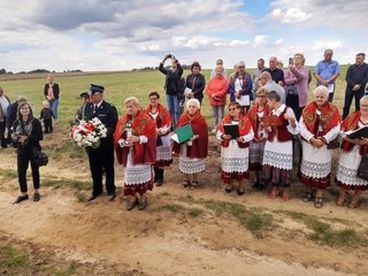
236	104
195	64
273	95
154	93
21	104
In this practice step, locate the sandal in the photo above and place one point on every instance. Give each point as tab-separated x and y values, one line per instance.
186	183
285	196
354	205
309	196
194	185
273	194
318	202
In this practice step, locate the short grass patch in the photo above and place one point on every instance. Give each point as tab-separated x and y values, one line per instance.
325	234
58	183
253	220
11	260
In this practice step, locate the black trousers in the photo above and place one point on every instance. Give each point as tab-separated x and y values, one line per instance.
24	157
349	95
101	161
292	101
2	138
48	125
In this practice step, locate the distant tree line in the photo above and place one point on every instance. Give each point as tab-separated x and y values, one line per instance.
154	68
44	71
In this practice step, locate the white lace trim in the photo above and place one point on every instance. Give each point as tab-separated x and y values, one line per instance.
315	170
138	174
349	177
190	166
278	160
239	165
163	153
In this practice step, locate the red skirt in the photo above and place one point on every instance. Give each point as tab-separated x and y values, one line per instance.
315	183
138	188
227	177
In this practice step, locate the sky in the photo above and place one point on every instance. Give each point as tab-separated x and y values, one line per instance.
95	35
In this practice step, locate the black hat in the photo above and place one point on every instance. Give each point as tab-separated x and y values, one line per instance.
85	94
96	89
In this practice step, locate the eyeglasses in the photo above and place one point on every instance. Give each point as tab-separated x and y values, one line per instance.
261	96
153	99
364	105
232	108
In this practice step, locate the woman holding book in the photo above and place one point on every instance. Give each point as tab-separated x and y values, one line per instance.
351	156
280	125
319	126
162	119
235	147
193	152
256	148
135	146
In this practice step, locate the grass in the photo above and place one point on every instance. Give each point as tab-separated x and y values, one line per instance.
252	220
66	183
324	234
11	260
8	174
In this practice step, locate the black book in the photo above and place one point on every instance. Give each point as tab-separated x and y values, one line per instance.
359	134
232	130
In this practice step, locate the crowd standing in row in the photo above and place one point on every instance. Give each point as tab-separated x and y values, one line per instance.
279	118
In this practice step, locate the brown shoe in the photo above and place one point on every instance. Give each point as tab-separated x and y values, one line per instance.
131	203
142	203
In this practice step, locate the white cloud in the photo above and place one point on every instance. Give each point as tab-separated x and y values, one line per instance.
260	40
291	15
324	44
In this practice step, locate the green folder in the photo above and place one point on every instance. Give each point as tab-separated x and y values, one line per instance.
182	134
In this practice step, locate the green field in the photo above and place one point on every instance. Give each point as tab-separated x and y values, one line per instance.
118	87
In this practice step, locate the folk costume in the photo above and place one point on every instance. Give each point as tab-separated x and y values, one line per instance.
193	153
162	122
138	158
351	156
324	123
256	149
235	154
278	152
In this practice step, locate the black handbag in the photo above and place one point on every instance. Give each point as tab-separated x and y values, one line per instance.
41	158
363	168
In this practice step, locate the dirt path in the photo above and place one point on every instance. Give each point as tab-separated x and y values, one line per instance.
162	242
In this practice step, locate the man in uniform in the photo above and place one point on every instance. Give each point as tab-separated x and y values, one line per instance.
102	159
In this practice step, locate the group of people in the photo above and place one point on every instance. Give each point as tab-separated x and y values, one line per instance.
271	115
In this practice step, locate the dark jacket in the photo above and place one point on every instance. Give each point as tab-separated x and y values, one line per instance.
172	83
55	88
197	84
107	114
46	114
33	139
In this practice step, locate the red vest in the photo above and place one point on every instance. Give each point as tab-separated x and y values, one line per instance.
280	131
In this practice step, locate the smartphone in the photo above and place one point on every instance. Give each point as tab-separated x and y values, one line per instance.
291	60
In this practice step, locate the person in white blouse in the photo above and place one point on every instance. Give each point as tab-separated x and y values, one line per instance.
319	126
280	125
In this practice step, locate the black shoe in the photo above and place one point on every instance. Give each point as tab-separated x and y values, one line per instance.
20	199
255	185
111	197
36	197
92	197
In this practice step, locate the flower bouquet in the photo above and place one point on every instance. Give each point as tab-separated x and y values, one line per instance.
88	134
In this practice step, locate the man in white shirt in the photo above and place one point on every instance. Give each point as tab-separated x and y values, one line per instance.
4	104
266	81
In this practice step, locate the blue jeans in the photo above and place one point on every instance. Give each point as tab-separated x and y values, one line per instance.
173	105
54	107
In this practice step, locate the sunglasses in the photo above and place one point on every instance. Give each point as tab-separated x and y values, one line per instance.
232	108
